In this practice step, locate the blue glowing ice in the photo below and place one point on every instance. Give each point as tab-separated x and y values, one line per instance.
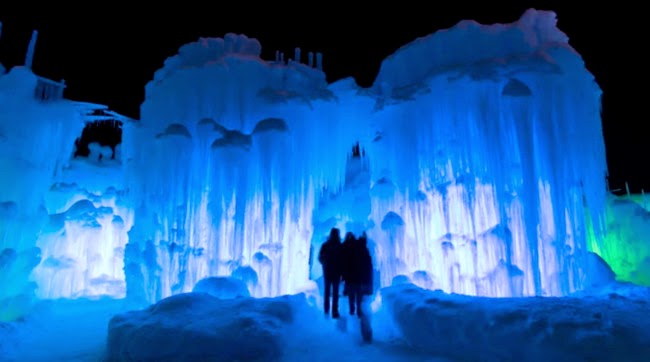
477	165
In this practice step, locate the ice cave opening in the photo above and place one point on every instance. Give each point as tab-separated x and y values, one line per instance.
477	171
99	139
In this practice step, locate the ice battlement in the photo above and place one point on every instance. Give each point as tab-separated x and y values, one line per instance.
231	67
239	56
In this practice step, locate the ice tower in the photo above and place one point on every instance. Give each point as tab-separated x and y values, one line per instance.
479	170
55	240
222	169
479	163
491	160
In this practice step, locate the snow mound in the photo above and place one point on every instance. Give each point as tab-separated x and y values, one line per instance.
610	327
17	291
200	327
7	331
222	287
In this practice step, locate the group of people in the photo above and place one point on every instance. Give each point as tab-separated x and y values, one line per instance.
349	262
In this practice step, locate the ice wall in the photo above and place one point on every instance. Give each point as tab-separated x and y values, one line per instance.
226	167
478	164
503	150
60	235
83	242
34	148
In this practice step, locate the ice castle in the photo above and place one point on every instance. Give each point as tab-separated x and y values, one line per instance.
476	169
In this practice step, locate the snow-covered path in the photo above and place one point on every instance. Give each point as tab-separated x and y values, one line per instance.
76	331
64	331
326	340
611	325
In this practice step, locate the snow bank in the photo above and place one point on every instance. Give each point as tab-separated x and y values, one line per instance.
200	327
607	327
61	330
16	291
7	331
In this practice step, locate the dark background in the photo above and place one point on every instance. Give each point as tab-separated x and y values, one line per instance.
107	51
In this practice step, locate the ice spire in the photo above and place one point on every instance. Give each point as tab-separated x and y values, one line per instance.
319	61
29	57
296	56
310	59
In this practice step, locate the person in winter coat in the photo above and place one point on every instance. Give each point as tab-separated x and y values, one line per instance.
330	258
358	272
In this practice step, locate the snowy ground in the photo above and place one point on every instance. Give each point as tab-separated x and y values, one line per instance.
61	330
409	323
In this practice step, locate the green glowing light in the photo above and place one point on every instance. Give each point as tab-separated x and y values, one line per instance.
626	247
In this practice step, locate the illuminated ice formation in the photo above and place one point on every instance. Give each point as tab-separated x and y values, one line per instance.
475	167
480	162
626	248
60	235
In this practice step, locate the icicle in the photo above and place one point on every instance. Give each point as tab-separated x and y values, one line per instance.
296	56
29	57
643	199
61	89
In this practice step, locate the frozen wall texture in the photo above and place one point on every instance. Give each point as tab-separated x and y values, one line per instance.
480	162
58	231
482	170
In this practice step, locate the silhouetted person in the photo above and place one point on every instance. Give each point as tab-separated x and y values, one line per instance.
330	258
347	249
358	273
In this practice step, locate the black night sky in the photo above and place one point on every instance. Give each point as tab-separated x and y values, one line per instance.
107	52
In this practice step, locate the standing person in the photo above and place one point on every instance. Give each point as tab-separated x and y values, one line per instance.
366	286
358	275
347	250
330	258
